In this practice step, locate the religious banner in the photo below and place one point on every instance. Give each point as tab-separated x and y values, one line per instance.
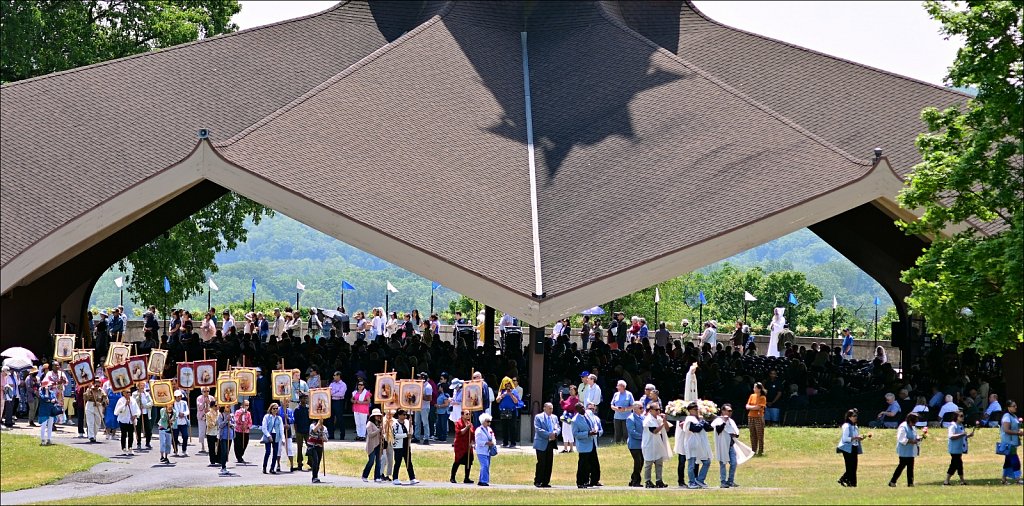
186	376
64	347
137	368
162	392
246	377
120	378
157	362
82	371
319	403
473	395
386	386
82	353
206	373
227	391
117	354
282	382
410	394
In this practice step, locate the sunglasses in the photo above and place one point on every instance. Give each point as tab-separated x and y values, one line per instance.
654	409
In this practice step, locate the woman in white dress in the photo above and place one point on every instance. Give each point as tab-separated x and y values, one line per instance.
690	393
777	324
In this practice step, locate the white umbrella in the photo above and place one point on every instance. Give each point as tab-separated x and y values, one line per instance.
17	362
19	352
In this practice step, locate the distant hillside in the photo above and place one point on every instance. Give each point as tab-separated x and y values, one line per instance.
280	251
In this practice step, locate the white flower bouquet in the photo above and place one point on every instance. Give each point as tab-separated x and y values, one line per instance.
707	409
676	410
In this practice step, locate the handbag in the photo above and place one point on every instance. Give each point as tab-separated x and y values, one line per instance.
1004	449
493	449
506	414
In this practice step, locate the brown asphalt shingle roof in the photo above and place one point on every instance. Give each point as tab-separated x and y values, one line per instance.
433	122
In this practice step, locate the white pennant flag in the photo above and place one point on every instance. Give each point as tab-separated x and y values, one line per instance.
749	297
657	295
391	288
835	302
299	285
119	281
213	286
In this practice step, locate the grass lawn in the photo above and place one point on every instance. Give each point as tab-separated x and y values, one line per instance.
23	466
801	467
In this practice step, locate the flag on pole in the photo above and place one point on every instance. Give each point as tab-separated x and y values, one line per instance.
434	285
299	285
700	297
749	297
167	285
119	281
657	295
213	286
877	302
391	288
792	299
254	285
346	286
835	302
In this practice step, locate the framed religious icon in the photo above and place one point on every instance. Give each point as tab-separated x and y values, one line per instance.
282	382
162	392
120	378
137	368
64	347
473	395
82	371
386	388
227	391
246	377
157	362
117	354
319	403
206	373
410	394
82	353
186	375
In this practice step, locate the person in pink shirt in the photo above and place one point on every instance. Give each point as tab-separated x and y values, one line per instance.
203	403
361	400
243	423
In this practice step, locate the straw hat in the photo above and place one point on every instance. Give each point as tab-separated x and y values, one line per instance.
376	412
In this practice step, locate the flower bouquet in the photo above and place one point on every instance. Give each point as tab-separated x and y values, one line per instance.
707	409
676	410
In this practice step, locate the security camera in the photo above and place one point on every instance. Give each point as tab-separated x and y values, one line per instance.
203	133
878	153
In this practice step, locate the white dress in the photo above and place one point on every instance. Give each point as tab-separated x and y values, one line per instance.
690	393
776	326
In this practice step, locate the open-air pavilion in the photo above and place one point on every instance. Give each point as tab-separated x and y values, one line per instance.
515	125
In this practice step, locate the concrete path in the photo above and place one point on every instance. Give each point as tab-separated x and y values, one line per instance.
144	472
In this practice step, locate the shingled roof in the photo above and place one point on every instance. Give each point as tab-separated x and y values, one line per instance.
641	141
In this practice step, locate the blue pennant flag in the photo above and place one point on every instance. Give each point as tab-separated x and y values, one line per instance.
700	297
792	299
167	285
345	285
434	285
877	302
253	285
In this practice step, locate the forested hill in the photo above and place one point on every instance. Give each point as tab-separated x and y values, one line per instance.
281	251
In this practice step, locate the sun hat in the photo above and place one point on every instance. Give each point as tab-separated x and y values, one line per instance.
376	412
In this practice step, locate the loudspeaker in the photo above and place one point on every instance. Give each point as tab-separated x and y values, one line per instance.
539	339
906	333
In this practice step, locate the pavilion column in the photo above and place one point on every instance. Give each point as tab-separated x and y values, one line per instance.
488	325
536	369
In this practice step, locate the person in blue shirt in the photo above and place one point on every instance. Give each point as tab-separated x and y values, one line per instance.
585	433
907	449
622	405
442	406
508	409
1010	433
847	347
545	440
957	446
273	431
634	441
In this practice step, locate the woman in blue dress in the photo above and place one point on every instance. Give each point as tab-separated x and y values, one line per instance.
109	418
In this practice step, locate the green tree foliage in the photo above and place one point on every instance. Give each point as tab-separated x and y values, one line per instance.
41	37
972	170
186	252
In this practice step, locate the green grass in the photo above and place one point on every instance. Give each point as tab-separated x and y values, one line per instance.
801	467
25	464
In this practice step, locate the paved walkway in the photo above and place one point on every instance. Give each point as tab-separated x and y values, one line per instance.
143	471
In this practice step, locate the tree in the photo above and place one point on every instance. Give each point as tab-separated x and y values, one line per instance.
48	36
969	285
185	253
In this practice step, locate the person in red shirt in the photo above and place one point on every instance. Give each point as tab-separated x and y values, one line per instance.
243	423
463	445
